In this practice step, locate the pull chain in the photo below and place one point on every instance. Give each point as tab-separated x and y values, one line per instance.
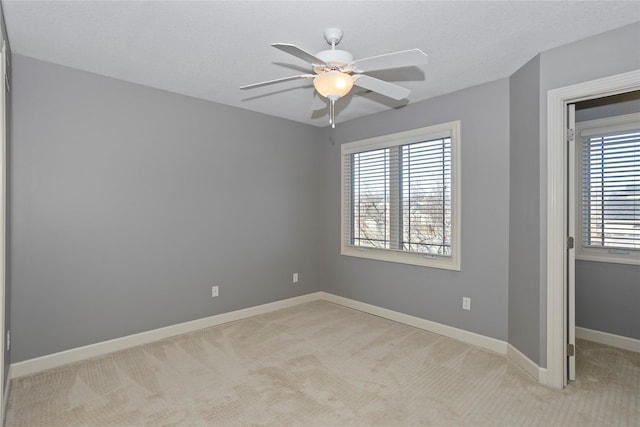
332	112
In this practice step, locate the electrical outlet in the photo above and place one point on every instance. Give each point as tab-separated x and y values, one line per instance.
466	303
214	291
295	277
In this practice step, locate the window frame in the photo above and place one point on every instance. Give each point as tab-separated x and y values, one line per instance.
447	262
620	123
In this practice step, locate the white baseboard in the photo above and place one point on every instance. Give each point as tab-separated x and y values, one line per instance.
66	357
542	378
5	396
62	358
526	364
515	355
438	328
625	343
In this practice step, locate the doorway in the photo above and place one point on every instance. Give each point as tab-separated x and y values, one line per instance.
606	262
556	214
603	220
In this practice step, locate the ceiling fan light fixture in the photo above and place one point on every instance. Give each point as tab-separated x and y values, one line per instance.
333	84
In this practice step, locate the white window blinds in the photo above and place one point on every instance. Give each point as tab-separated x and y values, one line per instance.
401	197
610	200
369	188
426	197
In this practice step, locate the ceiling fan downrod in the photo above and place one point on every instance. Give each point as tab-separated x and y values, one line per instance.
333	36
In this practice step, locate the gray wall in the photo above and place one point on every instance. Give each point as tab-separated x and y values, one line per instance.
524	216
430	293
128	203
607	297
603	55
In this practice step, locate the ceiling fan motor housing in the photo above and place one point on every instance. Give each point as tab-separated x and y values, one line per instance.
335	58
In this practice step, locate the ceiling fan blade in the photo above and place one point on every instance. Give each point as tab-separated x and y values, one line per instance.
380	86
404	58
283	79
298	53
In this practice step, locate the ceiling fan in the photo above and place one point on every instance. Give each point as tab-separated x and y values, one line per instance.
336	72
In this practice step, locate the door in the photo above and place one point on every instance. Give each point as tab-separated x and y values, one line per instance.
3	153
571	252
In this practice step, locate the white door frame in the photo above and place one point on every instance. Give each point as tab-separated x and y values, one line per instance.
556	231
571	231
3	220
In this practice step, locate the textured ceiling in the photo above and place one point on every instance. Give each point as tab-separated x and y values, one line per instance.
208	49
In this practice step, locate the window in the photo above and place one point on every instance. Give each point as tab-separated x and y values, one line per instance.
608	205
401	197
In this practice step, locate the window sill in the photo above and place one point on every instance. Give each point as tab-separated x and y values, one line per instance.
604	256
402	257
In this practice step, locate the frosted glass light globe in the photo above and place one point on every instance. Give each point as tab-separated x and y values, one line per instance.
333	84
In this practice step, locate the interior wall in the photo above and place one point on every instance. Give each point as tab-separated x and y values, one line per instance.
129	203
607	297
430	293
603	55
524	216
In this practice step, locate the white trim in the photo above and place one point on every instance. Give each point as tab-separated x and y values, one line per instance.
556	209
417	322
619	341
603	255
443	130
542	375
66	357
605	125
512	353
3	217
5	396
571	254
439	131
62	358
527	365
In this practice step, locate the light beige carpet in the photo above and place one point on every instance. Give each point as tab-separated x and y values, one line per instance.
320	364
